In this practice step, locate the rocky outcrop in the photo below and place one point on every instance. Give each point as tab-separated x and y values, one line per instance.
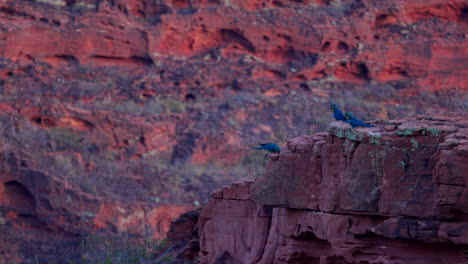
45	218
395	193
183	235
116	115
51	198
354	40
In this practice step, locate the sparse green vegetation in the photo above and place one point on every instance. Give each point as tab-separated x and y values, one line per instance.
64	139
173	106
453	99
111	249
255	164
149	107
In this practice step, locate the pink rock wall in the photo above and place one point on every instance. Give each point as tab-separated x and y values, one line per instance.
395	193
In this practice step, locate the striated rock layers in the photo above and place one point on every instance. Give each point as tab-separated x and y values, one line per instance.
116	115
396	193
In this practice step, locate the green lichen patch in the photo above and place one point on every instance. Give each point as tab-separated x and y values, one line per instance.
376	158
353	135
348	146
433	131
375	139
412	130
403	165
414	143
340	133
408	131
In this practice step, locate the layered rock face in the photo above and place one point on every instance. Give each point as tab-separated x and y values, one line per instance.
395	193
355	41
117	115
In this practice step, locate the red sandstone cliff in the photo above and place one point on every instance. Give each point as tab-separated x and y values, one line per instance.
395	193
115	116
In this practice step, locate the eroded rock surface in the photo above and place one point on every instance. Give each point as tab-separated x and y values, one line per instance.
112	113
395	193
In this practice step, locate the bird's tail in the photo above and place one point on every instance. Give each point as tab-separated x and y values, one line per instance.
258	148
367	125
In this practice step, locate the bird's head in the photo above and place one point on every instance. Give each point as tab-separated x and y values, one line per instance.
348	115
277	149
334	106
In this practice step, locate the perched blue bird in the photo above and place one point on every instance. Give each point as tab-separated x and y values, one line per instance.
337	114
352	120
272	147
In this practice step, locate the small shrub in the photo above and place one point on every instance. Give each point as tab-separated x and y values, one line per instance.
153	107
100	249
65	139
129	107
173	106
255	163
454	99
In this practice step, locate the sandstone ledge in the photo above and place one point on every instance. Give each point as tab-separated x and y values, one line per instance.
395	193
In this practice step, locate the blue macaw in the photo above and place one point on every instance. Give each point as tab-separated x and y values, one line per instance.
337	114
271	147
353	121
